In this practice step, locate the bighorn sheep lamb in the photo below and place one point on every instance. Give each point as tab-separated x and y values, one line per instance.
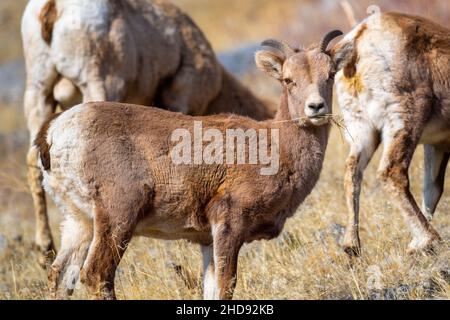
110	169
135	51
394	89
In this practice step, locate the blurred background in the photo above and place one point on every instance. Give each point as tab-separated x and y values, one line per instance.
306	262
234	28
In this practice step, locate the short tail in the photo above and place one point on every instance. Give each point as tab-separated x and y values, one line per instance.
48	17
41	142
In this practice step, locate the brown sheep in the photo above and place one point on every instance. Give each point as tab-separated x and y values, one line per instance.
111	169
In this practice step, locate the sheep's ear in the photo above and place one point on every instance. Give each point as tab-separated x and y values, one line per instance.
342	55
270	63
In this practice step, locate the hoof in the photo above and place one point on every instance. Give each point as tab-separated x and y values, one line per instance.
353	251
352	245
46	255
429	250
424	246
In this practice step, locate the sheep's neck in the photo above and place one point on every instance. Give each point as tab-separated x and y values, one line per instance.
303	149
283	116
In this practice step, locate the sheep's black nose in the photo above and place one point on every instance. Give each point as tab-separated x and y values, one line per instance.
316	107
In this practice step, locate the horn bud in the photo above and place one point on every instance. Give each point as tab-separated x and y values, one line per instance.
281	46
330	36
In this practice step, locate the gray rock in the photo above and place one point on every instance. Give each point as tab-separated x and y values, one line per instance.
401	291
240	61
12	82
397	293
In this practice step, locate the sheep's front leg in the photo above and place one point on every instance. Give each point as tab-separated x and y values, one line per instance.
436	161
395	162
226	251
181	94
362	150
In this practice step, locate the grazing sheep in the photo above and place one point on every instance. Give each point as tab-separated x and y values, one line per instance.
394	90
135	51
110	168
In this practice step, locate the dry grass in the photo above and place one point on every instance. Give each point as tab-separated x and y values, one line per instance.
10	121
305	262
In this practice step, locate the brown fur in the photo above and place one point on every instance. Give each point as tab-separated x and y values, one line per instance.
48	17
127	147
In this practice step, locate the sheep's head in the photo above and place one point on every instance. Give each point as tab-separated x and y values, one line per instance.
307	77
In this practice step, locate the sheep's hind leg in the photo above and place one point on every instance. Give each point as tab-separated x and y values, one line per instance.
362	150
109	243
396	159
64	272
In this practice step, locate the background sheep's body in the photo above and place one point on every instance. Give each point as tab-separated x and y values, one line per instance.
395	91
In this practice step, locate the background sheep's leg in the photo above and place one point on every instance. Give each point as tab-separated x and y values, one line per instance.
209	277
397	156
362	150
109	243
75	240
67	94
98	89
436	161
182	94
93	91
226	252
39	105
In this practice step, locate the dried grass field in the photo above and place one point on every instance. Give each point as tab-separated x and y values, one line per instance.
306	261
